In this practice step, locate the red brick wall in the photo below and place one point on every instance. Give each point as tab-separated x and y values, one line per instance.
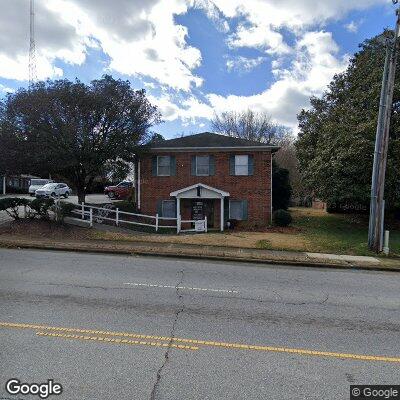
256	188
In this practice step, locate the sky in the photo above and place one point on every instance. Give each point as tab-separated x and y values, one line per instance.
194	57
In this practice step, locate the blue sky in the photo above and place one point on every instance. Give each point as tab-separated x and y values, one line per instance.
194	57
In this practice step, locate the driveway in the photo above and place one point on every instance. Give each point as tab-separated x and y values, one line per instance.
90	198
122	327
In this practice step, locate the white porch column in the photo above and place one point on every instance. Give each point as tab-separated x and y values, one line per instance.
4	184
222	214
178	214
138	186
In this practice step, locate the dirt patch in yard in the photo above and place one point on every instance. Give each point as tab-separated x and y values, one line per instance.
249	240
44	229
274	238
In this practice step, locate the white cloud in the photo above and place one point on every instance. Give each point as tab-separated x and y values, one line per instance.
316	61
187	108
353	26
140	38
213	13
243	64
4	89
264	19
309	74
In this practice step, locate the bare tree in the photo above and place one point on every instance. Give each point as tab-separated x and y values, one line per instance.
286	158
250	125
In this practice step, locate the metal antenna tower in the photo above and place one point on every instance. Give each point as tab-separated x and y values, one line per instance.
32	50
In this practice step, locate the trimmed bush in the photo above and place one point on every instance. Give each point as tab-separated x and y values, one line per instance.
281	218
63	210
125	206
41	207
12	206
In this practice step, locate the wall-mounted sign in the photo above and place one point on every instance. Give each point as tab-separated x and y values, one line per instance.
197	210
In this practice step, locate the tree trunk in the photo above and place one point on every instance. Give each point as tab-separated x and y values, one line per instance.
81	194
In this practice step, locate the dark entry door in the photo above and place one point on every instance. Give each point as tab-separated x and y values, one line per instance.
202	208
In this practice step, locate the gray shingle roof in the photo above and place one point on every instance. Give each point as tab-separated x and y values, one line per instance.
208	140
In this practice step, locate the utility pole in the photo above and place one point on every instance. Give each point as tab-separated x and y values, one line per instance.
377	208
32	48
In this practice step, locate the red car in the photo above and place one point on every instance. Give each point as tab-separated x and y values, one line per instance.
120	191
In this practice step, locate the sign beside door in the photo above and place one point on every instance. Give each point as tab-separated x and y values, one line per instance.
200	226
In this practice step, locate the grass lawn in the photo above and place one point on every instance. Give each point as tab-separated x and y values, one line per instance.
338	233
311	231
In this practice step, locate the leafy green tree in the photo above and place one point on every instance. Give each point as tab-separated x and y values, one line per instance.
73	130
11	146
337	134
281	188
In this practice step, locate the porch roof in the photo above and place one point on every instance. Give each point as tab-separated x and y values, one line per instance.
187	191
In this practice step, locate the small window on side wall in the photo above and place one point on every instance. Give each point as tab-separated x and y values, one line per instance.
238	210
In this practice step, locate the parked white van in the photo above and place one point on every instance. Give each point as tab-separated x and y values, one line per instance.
37	184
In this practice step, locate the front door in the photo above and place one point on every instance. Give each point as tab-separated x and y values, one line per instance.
202	208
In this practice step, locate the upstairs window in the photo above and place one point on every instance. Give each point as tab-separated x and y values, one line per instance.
202	165
241	165
163	166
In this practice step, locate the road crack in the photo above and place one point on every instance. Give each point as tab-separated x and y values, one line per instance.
171	335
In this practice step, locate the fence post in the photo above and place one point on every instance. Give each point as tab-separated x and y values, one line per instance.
83	210
178	223
156	222
117	217
91	217
205	223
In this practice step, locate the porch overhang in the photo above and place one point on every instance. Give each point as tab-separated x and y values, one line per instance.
199	191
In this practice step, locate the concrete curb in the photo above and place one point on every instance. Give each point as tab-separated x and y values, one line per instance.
138	250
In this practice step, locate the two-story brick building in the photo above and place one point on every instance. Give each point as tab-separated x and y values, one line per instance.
207	174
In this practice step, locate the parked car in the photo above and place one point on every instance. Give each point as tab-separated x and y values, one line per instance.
120	191
53	190
36	184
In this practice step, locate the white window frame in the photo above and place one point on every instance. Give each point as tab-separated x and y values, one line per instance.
241	203
238	157
208	173
162	208
169	172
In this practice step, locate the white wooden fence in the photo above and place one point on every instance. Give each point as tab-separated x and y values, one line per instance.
116	216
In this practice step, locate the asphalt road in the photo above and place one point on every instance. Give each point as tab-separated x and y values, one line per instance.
153	328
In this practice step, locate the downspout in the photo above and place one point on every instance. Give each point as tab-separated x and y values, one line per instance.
138	185
270	218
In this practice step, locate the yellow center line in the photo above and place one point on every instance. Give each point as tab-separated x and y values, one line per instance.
117	341
288	350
